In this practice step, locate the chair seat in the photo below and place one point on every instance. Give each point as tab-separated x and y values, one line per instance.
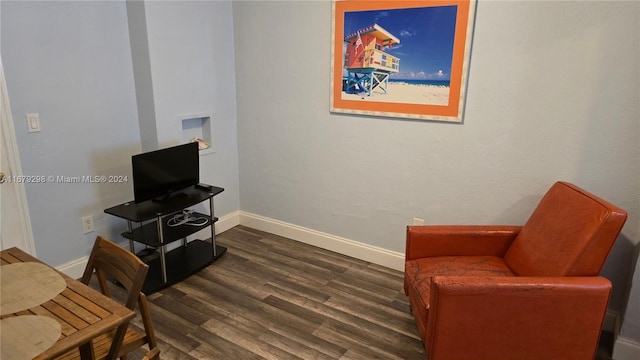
420	271
418	274
132	340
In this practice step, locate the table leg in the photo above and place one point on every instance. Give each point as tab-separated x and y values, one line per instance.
117	341
86	351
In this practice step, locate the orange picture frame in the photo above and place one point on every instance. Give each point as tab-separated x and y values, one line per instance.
406	59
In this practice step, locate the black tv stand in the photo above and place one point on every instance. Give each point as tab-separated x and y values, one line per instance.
152	216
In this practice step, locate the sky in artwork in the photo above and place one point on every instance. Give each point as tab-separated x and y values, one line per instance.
426	38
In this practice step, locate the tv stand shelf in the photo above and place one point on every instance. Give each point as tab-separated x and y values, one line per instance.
153	230
181	262
148	233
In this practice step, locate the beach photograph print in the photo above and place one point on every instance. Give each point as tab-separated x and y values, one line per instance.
402	58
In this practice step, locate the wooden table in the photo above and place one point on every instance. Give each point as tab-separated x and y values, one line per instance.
83	313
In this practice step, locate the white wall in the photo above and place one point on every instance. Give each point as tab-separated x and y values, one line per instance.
550	97
70	62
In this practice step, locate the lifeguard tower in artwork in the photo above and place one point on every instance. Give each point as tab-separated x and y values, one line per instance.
368	66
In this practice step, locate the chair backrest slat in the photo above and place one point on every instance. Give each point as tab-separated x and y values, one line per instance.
119	264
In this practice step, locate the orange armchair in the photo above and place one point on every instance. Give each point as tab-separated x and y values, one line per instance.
515	292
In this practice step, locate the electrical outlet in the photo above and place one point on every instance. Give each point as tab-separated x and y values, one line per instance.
417	221
87	224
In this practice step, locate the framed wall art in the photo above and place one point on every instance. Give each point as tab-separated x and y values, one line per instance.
405	59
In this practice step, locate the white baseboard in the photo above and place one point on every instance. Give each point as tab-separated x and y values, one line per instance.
227	222
75	268
358	250
373	254
626	349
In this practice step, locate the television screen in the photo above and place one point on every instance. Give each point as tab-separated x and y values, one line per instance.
159	173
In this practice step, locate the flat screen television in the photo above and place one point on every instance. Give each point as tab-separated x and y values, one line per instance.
162	173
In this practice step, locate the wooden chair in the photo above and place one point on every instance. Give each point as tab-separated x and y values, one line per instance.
154	354
110	260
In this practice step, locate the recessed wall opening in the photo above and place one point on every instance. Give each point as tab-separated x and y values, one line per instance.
197	126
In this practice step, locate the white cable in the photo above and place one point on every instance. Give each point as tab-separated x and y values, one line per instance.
187	218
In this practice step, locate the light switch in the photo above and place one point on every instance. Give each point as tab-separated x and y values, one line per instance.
33	122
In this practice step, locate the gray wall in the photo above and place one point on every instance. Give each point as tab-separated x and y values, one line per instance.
550	97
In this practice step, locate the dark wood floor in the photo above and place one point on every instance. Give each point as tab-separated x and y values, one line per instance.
270	297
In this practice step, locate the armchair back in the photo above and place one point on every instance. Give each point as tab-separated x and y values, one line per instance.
570	233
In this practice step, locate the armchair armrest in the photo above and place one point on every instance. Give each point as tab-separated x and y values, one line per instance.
516	317
458	240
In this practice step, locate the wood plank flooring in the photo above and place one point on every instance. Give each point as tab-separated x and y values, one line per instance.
270	297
